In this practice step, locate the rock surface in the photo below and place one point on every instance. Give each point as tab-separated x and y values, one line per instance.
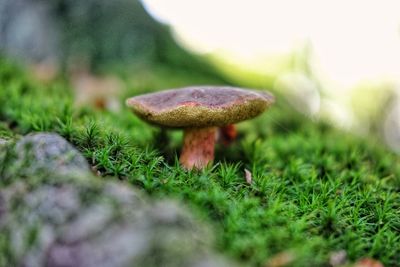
3	153
87	222
46	153
2	142
54	213
28	32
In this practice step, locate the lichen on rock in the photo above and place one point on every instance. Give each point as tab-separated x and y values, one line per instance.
43	153
54	213
83	221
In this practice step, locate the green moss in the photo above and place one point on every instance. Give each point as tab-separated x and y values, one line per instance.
315	189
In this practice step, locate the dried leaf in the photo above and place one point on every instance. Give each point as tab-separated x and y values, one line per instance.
338	258
44	71
248	176
368	262
99	92
227	134
281	259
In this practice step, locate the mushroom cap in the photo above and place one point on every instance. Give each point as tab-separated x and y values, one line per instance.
200	106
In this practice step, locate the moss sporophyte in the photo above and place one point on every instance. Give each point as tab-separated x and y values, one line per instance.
200	111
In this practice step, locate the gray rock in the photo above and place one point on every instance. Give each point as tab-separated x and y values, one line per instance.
87	222
2	142
3	153
91	31
27	31
46	153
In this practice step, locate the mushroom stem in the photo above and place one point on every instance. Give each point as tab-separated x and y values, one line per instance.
198	147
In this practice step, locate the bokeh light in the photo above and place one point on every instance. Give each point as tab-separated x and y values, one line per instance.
351	40
336	60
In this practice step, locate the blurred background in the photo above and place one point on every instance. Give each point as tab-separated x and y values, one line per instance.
336	61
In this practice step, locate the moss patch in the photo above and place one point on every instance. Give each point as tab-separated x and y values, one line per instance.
315	189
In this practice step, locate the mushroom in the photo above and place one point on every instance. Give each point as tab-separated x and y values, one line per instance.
227	134
199	111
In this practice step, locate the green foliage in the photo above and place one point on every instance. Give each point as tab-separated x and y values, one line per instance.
315	189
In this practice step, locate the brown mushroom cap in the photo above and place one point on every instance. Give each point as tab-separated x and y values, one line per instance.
200	106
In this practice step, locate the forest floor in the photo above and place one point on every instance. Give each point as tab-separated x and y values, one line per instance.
315	190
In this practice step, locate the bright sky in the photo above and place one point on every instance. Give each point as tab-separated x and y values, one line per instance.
352	40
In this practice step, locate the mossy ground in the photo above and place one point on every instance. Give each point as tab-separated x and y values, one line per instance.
315	189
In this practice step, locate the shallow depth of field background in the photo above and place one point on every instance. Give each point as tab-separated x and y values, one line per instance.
335	60
311	180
